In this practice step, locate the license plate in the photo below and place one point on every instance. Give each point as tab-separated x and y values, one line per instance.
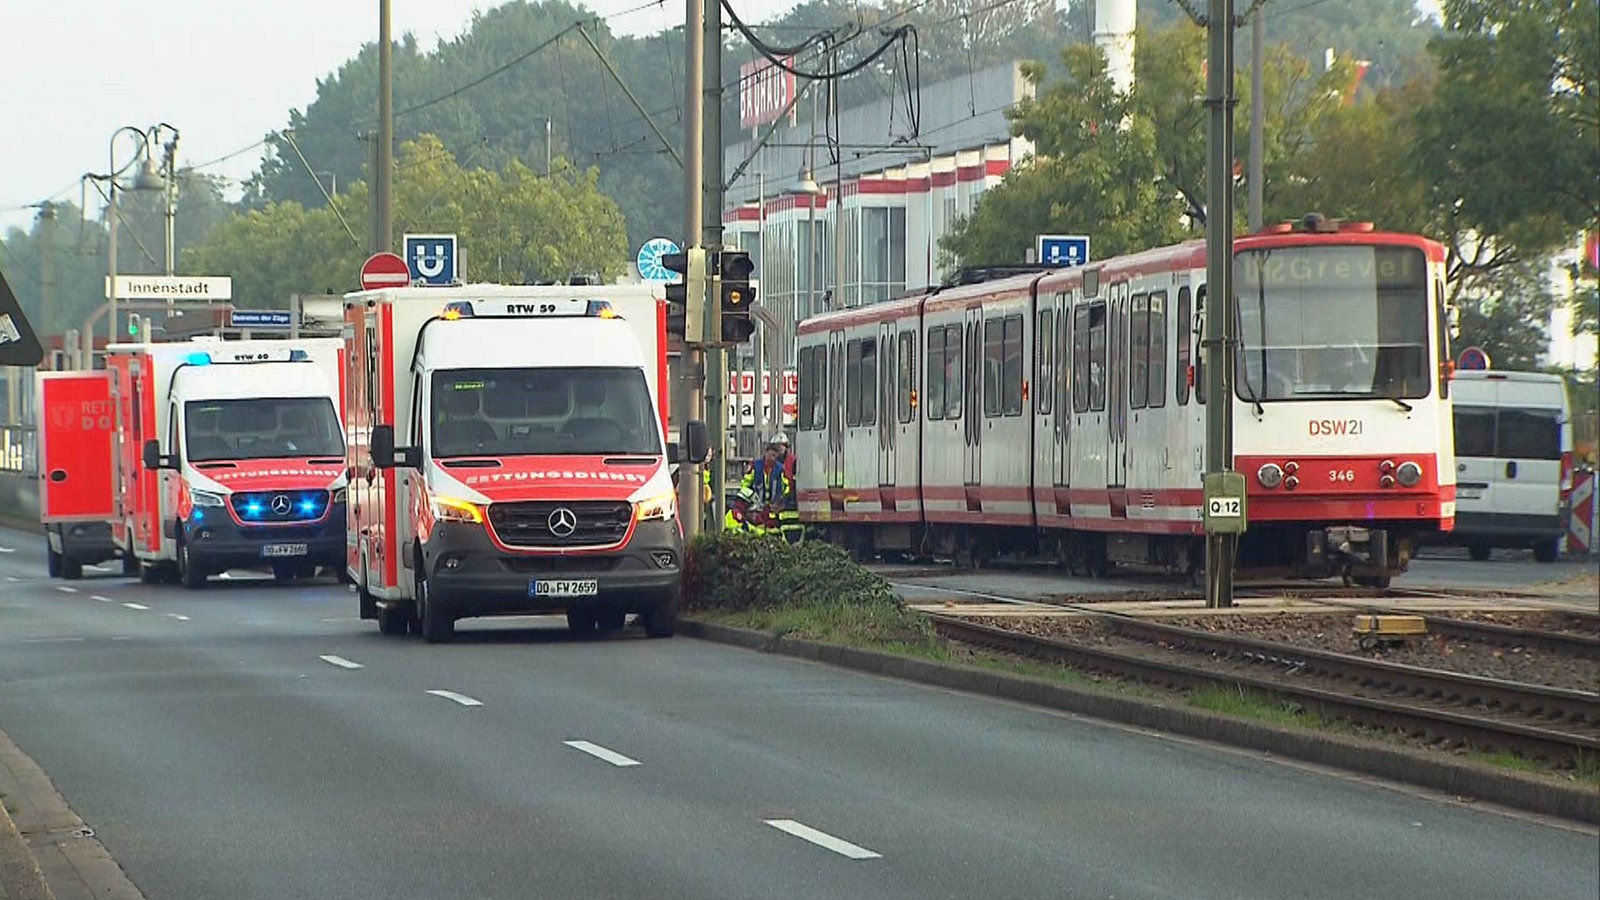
1470	493
272	550
564	588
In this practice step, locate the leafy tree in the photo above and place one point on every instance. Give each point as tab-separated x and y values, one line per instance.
1505	313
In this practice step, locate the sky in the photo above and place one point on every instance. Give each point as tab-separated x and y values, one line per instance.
223	72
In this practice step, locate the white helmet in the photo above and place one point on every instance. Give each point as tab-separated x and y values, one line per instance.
779	440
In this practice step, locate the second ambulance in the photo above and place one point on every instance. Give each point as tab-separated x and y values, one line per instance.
508	456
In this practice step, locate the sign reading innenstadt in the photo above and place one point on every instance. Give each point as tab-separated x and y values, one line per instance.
171	287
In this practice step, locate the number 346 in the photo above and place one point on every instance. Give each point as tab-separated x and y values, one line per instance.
1341	475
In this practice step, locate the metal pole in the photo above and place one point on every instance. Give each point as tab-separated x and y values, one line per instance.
838	187
1220	548
47	263
548	138
111	261
691	385
1258	49
384	176
711	239
172	207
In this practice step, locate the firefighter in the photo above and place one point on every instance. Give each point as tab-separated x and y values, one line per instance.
788	508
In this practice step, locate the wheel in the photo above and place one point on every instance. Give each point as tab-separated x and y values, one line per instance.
71	569
436	628
1478	551
192	576
662	619
130	563
149	573
366	604
582	621
1380	582
1546	551
53	562
613	621
393	618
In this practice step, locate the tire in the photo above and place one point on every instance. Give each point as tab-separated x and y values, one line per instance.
662	619
53	562
435	628
1479	552
582	622
366	604
1546	551
71	569
192	576
393	619
130	563
150	573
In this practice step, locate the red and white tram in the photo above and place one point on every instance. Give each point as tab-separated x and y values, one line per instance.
1062	413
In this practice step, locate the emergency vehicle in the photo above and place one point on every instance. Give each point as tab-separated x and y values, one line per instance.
77	499
228	454
532	474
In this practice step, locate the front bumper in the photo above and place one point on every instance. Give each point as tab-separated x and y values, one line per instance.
216	542
469	576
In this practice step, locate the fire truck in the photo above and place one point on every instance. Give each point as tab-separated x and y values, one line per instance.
228	454
508	456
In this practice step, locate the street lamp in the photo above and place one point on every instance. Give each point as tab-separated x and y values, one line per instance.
147	180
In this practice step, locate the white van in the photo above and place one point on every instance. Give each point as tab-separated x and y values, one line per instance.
1513	462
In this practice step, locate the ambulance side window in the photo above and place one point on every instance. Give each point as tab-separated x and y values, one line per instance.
416	410
172	430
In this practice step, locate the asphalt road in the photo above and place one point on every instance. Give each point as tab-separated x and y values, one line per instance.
255	741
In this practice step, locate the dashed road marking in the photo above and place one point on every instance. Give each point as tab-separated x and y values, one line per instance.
102	599
340	661
821	839
179	616
462	699
599	752
53	640
65	589
8	549
139	606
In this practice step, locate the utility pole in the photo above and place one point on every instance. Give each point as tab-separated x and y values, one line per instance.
1224	490
47	263
690	394
383	178
1258	50
716	385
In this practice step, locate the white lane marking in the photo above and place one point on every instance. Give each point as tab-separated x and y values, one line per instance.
462	699
12	578
102	599
595	750
66	590
827	841
179	616
340	661
8	549
54	640
139	606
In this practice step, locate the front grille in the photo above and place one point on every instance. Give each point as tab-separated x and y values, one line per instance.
543	523
560	565
273	507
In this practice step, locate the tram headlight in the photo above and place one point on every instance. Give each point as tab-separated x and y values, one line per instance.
1409	474
1270	475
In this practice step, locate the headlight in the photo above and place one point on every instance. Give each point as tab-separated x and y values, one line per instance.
449	509
661	506
339	494
1409	474
1269	475
205	498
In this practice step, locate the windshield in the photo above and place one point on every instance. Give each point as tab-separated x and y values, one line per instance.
261	428
1332	321
543	412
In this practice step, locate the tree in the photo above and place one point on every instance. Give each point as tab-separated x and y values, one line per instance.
1505	312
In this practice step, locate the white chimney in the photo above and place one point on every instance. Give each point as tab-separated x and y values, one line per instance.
1113	34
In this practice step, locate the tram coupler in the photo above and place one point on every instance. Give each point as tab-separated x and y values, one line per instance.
1336	548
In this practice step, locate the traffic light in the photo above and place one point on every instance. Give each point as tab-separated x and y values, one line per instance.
135	325
686	300
735	295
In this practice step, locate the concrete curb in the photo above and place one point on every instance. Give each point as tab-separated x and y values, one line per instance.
1459	778
20	875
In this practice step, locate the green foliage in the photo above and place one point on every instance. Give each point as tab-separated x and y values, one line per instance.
1505	312
811	589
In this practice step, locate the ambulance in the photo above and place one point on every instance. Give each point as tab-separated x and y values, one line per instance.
76	443
508	456
229	454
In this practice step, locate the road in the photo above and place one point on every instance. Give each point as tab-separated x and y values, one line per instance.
256	741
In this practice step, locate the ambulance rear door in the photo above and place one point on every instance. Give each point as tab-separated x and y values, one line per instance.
77	434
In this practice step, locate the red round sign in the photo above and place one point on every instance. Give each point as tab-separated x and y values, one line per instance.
384	270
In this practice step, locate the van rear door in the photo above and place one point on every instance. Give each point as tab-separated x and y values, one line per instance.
1527	466
77	428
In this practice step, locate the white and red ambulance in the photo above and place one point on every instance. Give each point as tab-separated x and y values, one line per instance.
229	454
532	473
77	484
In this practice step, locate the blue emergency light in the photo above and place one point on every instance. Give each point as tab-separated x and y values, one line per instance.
198	359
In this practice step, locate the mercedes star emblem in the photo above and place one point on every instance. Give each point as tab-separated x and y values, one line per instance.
281	505
563	522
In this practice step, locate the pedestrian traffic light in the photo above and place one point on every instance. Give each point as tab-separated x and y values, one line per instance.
735	294
135	325
686	300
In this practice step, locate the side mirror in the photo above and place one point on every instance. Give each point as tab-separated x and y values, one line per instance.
674	453
382	445
698	441
152	455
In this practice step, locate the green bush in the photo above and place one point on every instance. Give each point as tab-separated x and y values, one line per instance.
812	589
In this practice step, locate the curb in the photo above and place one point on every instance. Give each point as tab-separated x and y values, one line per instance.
1464	780
20	875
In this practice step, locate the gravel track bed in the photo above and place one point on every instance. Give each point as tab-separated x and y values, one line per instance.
1334	633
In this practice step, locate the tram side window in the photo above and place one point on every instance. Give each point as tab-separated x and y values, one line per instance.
813	376
1158	349
1442	325
1139	353
934	401
852	383
1200	353
954	356
907	379
1044	362
1097	357
1080	359
1011	367
1185	335
861	382
993	365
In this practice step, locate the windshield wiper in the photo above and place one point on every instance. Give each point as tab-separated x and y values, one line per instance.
1401	403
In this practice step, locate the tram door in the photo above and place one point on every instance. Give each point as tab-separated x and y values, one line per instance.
836	381
972	405
1062	345
887	397
1117	397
